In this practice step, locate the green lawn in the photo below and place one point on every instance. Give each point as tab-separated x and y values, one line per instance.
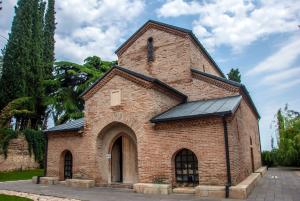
20	175
13	198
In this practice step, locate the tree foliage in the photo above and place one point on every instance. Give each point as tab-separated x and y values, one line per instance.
49	42
17	54
234	75
36	144
20	108
288	131
69	81
6	134
1	65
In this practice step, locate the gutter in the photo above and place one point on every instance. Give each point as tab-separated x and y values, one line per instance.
228	171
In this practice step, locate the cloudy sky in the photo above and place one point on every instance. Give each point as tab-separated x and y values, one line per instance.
261	38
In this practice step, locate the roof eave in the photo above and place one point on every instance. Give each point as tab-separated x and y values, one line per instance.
236	84
63	130
221	114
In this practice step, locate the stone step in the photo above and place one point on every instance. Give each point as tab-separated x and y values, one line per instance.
184	190
120	185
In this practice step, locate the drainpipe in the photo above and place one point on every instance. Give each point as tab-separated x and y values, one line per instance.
46	155
228	184
259	143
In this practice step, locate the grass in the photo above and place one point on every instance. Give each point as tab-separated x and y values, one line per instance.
20	175
13	198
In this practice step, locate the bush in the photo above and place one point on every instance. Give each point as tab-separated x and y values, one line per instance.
270	158
6	134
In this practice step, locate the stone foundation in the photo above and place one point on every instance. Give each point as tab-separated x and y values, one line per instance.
262	170
80	183
210	191
148	188
17	156
243	189
48	180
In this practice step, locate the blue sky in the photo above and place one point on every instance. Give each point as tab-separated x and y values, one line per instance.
261	38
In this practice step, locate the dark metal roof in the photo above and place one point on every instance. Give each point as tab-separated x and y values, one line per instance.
202	108
138	75
178	29
74	125
237	84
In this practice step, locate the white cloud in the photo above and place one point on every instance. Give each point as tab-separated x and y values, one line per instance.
6	16
93	27
85	28
236	23
278	78
281	59
288	84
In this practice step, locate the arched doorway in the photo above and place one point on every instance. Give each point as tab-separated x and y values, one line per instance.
123	159
117	161
117	156
186	168
68	165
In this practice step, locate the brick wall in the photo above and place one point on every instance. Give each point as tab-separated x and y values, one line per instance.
244	125
171	55
174	56
200	61
18	156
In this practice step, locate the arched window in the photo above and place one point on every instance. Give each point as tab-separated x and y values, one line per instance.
68	163
150	50
186	168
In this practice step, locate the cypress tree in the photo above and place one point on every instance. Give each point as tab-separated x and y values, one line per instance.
17	57
1	64
49	31
35	74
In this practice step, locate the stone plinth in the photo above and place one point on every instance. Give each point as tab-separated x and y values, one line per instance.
80	183
243	189
149	188
210	191
262	171
49	180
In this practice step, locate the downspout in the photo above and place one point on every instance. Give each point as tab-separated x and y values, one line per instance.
46	155
259	143
228	184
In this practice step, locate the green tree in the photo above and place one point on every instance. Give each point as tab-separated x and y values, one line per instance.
288	128
49	31
234	75
1	64
17	56
35	73
70	80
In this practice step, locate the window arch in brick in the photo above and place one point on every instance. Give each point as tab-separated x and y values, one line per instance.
186	168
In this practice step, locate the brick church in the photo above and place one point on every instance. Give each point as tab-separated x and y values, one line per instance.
165	114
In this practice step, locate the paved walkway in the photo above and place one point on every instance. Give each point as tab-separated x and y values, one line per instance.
277	185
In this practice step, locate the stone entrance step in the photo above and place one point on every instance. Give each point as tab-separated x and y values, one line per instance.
184	190
120	185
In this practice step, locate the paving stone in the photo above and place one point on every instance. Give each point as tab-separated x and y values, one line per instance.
285	188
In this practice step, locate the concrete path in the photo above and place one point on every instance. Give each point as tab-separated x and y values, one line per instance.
278	185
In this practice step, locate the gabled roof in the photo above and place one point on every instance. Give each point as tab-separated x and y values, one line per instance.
201	108
233	83
186	31
140	76
74	125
